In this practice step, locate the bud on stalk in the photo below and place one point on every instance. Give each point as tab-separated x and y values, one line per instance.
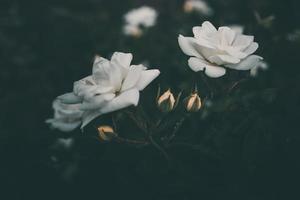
166	101
193	103
106	133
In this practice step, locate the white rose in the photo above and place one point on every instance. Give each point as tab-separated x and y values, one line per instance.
134	19
145	16
67	117
212	50
113	85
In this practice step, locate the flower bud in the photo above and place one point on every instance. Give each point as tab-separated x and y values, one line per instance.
106	133
193	103
166	101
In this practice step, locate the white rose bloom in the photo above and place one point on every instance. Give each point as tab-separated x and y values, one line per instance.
214	50
199	6
113	85
134	19
67	117
261	66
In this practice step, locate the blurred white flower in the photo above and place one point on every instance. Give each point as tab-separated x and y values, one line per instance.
140	17
67	117
266	22
199	6
294	36
213	50
145	16
113	85
65	142
262	65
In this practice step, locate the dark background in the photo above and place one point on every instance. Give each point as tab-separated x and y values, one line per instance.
251	138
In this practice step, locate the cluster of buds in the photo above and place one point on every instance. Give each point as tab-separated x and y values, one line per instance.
166	102
106	133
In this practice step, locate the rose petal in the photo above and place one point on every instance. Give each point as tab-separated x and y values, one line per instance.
214	71
251	49
205	48
125	99
101	72
204	31
208	27
132	77
206	34
123	59
66	111
223	59
186	45
226	35
247	63
116	77
146	78
106	74
62	126
87	88
69	98
198	31
97	101
211	70
242	41
197	64
236	53
88	116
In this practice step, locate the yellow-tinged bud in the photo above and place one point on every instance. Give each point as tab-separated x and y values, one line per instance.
193	103
166	101
106	133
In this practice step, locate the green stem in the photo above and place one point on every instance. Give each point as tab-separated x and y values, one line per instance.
176	128
136	121
207	84
235	84
130	141
159	148
195	147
